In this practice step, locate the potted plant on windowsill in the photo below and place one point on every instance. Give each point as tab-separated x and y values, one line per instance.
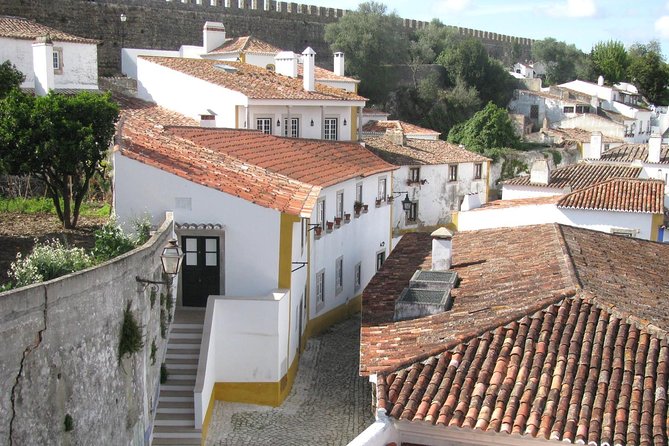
318	230
390	199
347	218
337	222
378	202
365	208
329	225
357	207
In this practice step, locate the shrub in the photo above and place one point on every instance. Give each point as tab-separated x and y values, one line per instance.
69	423
163	374
143	230
110	242
47	261
131	335
154	350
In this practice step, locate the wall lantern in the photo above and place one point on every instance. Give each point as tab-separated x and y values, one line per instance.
406	203
124	17
170	260
278	123
344	121
312	122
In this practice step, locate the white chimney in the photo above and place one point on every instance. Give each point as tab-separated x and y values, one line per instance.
600	81
213	36
207	119
339	64
540	172
285	63
654	148
471	201
442	250
396	136
309	68
43	65
594	152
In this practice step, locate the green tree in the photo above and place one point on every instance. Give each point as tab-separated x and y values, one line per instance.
10	78
563	62
489	129
372	39
610	60
62	140
649	72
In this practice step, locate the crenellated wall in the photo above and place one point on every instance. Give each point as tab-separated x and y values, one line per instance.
165	24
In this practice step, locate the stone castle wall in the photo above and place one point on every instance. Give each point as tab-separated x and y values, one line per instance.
164	24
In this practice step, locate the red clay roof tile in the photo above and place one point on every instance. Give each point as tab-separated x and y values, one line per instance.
578	176
421	152
20	28
618	194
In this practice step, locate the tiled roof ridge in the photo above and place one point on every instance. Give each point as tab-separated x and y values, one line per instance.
17	27
565	201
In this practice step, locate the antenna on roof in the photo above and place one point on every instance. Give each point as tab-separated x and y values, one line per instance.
226	68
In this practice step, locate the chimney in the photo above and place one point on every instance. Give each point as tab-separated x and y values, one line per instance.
213	36
540	172
595	149
43	65
207	119
286	63
654	148
471	201
308	69
396	136
442	251
600	81
339	64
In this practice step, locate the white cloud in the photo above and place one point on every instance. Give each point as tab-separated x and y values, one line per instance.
446	6
662	26
574	8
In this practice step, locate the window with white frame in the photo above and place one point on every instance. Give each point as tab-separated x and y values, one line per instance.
478	171
340	204
382	189
380	258
292	130
414	174
358	192
357	276
339	275
320	286
320	212
330	127
264	125
453	172
58	61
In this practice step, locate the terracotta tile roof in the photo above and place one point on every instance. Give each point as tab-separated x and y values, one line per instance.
578	176
325	75
504	204
421	152
317	162
619	194
628	153
405	127
147	140
373	111
253	82
568	343
578	135
246	44
20	28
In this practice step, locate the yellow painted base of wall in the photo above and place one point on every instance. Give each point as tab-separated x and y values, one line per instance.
274	393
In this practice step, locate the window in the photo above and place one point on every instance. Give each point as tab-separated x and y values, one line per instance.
264	125
414	174
340	204
357	276
339	275
478	170
624	232
582	109
453	172
58	60
534	112
320	212
382	189
330	128
294	130
412	215
568	109
358	192
320	286
380	258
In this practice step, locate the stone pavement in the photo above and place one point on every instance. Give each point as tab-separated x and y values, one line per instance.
329	403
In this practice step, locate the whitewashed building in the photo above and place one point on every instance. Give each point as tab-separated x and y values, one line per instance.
49	59
273	244
434	175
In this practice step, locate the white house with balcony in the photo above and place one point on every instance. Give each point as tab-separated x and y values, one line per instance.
274	246
49	59
437	179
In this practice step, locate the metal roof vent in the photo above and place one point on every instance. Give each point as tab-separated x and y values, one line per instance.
429	292
226	68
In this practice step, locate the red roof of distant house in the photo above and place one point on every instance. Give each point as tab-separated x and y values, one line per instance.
246	44
20	28
619	194
405	127
578	176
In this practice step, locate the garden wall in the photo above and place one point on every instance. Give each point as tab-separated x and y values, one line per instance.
59	354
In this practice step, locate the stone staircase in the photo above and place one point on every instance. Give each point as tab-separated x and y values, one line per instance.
175	415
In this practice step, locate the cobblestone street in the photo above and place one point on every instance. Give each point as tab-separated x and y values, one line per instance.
328	405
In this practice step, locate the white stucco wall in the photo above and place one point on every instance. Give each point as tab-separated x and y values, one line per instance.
348	86
129	58
358	241
305	113
591	123
251	240
80	62
512	192
438	197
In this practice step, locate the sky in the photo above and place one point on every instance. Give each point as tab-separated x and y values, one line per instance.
581	22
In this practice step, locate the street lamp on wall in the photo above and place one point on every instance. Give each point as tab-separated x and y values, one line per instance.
170	260
123	18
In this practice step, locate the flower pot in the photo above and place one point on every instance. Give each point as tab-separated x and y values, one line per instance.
337	221
390	199
329	225
318	231
378	202
347	218
365	208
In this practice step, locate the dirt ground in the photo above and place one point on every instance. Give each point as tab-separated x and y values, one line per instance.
19	231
